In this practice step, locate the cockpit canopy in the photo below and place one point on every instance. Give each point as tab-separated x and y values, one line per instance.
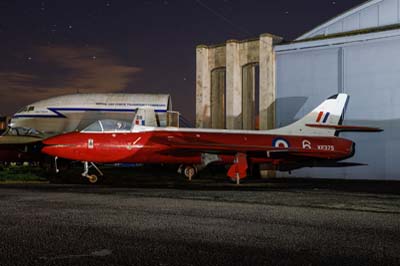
108	125
26	109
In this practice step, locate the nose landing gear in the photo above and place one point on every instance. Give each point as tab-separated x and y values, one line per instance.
92	178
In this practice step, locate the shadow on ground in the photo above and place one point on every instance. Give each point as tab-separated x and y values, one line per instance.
214	178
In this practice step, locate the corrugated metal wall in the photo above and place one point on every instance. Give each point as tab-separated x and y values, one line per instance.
369	72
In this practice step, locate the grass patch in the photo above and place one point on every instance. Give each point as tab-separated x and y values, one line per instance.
22	174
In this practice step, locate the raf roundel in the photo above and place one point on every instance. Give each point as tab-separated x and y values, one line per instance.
280	143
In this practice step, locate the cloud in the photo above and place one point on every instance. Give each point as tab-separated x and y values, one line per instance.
15	81
62	70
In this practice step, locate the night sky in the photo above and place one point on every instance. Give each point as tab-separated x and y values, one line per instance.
51	48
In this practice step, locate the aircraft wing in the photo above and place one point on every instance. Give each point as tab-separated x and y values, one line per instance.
187	143
181	145
18	140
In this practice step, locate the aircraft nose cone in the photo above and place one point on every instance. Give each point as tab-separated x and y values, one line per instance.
51	150
58	145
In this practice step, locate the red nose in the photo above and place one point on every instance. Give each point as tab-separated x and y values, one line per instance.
51	150
59	145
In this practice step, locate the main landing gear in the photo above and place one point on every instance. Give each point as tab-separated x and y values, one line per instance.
92	178
238	170
188	171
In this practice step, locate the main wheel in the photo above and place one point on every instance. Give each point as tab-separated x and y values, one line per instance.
93	179
190	172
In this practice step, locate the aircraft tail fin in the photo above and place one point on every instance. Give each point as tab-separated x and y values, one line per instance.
145	117
322	121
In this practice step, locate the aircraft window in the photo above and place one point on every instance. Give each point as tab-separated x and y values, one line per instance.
31	108
95	127
23	109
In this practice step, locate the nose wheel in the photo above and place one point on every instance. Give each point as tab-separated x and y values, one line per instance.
92	178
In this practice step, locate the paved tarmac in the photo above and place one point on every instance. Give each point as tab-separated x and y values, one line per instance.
47	224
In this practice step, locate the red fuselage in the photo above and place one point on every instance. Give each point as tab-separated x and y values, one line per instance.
181	147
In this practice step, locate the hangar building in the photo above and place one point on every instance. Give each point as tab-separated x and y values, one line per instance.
357	52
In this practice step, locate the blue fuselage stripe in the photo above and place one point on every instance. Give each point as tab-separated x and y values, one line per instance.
57	111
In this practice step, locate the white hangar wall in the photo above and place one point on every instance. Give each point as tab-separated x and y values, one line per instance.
367	67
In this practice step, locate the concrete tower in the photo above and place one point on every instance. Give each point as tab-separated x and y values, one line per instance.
226	84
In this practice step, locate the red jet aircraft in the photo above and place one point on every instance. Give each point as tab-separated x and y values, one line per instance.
311	141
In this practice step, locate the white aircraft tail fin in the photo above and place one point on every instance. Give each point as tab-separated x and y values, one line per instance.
322	121
145	117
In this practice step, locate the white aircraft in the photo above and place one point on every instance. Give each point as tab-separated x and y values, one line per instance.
75	112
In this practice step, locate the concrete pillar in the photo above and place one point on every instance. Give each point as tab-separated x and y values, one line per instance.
248	101
267	88
233	86
267	82
218	98
203	87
